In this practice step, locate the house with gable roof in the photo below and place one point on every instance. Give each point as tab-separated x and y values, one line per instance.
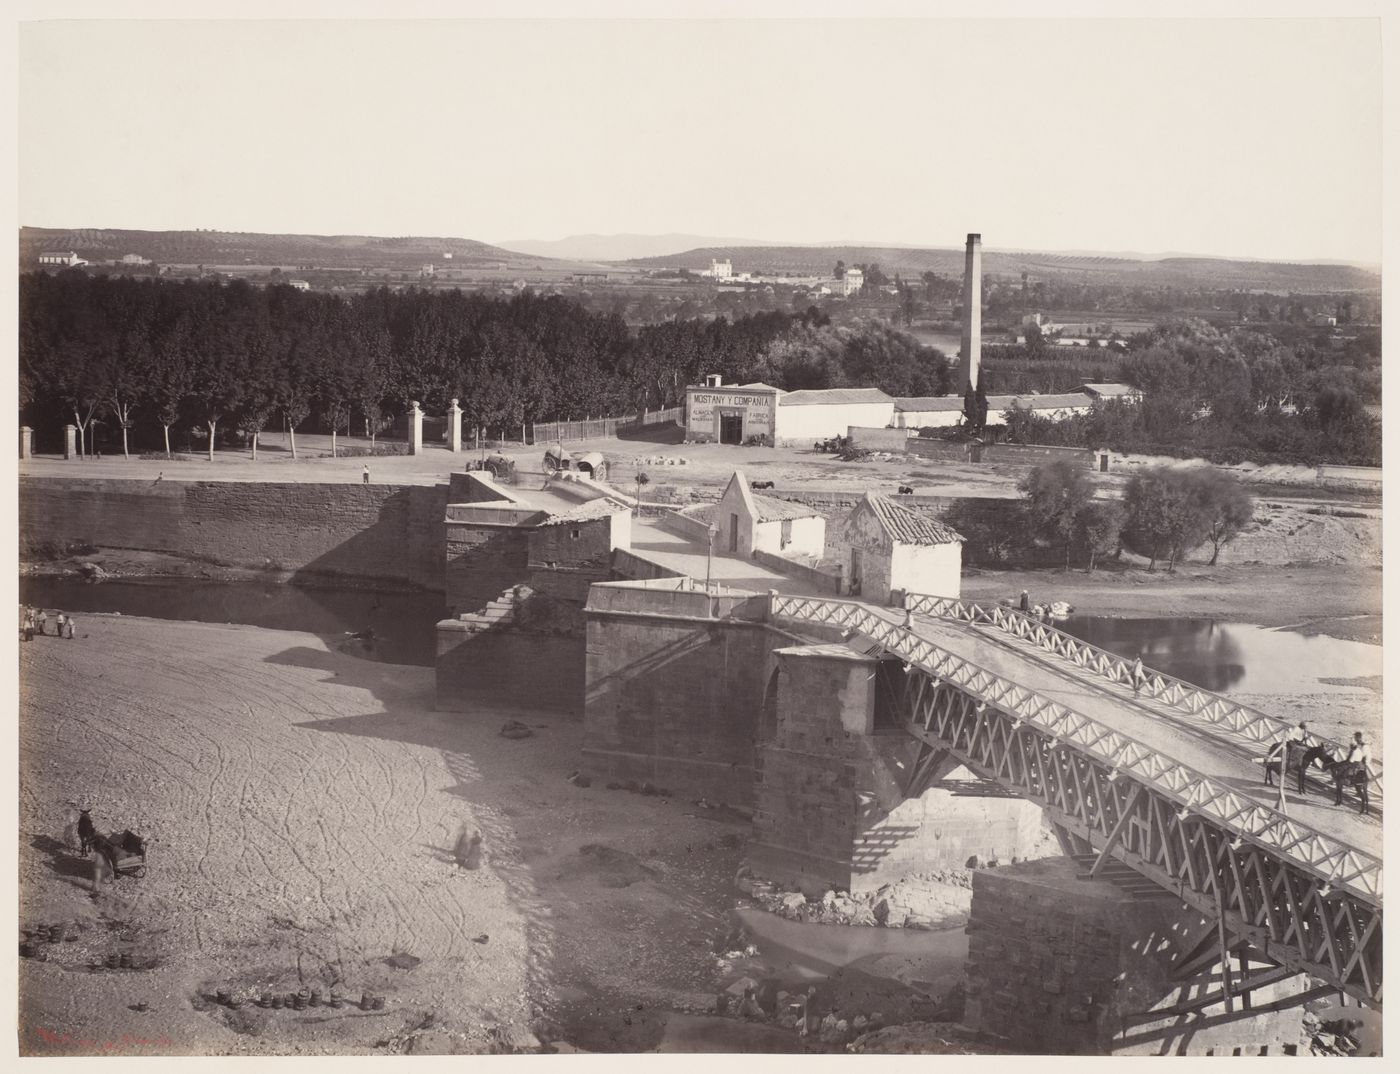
885	547
746	522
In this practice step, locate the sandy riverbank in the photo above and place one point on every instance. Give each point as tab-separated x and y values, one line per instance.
302	804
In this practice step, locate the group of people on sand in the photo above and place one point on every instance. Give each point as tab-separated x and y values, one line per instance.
36	620
1293	751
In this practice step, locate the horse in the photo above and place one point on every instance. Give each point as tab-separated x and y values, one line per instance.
1322	755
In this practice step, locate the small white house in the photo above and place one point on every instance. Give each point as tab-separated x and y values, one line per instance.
67	258
886	546
747	523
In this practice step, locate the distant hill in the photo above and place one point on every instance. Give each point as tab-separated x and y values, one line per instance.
620	247
237	248
1186	272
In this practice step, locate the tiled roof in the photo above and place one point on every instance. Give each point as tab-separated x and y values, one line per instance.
930	402
1040	402
767	508
829	396
933	404
584	512
1108	389
771	510
909	527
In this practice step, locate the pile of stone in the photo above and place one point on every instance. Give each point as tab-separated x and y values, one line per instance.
763	1001
1335	1037
939	899
661	460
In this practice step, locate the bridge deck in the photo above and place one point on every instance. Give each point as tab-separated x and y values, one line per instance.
1208	749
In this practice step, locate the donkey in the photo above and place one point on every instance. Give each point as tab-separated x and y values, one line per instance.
85	830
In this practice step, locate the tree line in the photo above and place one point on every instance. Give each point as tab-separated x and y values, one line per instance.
151	356
1229	396
1165	514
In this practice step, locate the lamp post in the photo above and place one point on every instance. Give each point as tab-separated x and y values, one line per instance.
710	531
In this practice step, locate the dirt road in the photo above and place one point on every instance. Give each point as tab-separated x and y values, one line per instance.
302	804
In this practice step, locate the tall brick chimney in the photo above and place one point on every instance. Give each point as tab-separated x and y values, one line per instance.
970	366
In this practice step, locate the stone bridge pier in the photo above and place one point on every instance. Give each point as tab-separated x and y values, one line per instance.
1059	963
835	800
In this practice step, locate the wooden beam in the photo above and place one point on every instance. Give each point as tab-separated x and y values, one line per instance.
1117	832
1209	999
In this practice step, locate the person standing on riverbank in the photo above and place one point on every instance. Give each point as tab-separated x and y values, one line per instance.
62	621
69	625
26	623
365	475
41	619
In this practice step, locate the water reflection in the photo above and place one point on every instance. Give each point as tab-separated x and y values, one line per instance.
1225	657
404	624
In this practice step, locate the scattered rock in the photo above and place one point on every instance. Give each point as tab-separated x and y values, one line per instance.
515	729
614	868
483	938
794	900
402	960
513	1040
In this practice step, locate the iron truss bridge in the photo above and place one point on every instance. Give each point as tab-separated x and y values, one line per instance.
1240	720
1304	900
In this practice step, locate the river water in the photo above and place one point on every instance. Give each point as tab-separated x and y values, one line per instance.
1231	657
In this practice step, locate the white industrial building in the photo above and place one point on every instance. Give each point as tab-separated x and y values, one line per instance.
943	411
733	414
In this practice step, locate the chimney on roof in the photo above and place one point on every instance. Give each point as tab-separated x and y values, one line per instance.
714	380
969	369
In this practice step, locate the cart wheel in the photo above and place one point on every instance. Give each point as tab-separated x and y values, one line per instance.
139	872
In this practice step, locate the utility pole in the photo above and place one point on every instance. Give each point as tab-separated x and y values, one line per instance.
710	531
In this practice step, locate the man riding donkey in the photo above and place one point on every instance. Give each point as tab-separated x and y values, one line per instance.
1294	752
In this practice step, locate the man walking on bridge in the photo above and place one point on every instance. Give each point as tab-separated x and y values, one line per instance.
1292	741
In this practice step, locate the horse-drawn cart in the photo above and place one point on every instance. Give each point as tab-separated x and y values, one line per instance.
125	852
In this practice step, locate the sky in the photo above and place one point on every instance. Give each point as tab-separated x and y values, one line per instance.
1233	137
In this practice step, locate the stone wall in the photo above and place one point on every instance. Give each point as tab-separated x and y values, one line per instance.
482	561
1065	966
382	532
821	707
503	670
674	689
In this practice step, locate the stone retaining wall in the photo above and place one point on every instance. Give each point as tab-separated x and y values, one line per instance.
383	532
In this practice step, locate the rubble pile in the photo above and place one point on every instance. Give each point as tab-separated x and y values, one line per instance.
940	898
1336	1037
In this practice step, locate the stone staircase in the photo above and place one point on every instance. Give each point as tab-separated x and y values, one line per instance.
500	612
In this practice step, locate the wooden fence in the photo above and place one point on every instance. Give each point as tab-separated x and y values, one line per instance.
552	432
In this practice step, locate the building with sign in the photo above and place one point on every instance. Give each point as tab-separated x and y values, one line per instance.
732	414
736	413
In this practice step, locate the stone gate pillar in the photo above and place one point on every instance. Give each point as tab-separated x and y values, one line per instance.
415	429
454	427
26	442
70	441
